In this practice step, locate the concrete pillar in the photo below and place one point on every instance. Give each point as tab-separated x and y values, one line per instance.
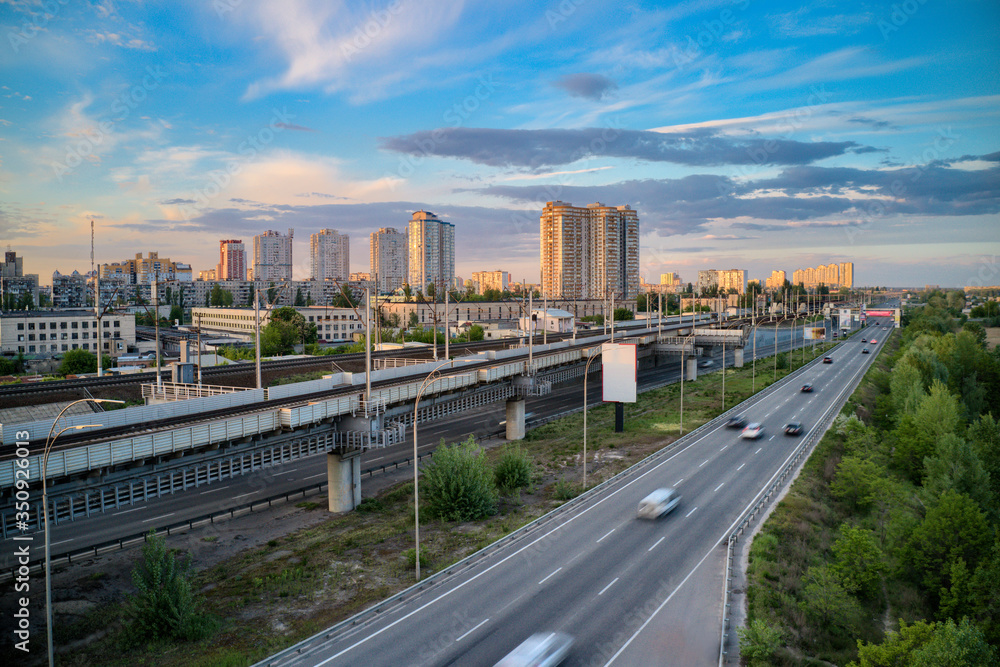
515	419
691	373
343	474
738	358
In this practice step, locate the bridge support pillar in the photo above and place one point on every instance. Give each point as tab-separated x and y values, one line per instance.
738	358
343	474
515	419
691	371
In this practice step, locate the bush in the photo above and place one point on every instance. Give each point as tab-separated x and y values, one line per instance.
458	484
563	490
165	606
513	470
759	642
78	361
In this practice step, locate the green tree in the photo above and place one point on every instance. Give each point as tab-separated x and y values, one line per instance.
857	481
956	467
897	648
623	314
984	434
176	314
407	293
512	470
759	642
826	603
299	299
476	332
220	297
165	606
858	561
458	483
78	361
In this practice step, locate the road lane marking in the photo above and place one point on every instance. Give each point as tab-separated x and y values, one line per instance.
608	586
245	495
719	487
73	538
548	577
292	470
703	462
758	451
313	476
134	509
677	483
657	542
723	447
221	488
771	438
607	533
690	513
472	630
741	467
157	517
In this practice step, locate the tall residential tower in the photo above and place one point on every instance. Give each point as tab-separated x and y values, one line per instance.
388	253
431	252
329	255
272	256
232	260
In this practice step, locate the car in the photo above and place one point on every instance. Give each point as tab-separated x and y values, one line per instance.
865	351
807	388
885	328
834	334
658	503
753	431
873	341
864	340
706	363
542	649
737	421
827	360
793	428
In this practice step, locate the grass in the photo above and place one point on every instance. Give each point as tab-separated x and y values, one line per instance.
275	595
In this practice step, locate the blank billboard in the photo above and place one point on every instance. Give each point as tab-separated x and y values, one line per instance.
619	363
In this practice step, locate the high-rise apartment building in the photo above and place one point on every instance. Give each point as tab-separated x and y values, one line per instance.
724	280
69	290
589	252
847	274
329	255
389	259
272	256
776	281
497	280
144	270
232	261
669	278
431	252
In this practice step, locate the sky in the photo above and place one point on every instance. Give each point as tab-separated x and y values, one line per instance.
747	134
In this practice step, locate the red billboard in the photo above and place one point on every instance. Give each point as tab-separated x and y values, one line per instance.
881	313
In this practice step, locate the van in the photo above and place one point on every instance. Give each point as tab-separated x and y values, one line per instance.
658	503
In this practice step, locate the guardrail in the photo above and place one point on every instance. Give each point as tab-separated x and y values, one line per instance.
805	448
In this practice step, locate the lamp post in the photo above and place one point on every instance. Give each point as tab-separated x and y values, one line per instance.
49	441
683	364
416	493
586	372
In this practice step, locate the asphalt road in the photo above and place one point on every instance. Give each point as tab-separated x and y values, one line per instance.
614	582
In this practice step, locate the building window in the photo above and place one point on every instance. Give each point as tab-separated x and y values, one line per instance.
41	325
75	325
75	337
62	325
75	346
31	348
86	346
31	326
118	323
20	339
64	347
20	327
85	324
31	336
41	336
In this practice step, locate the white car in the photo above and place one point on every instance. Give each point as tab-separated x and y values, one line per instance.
543	649
753	431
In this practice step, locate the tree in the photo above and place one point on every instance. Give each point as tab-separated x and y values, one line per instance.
414	320
476	332
407	293
923	644
759	642
956	467
512	470
458	484
431	291
220	297
826	603
857	481
165	606
623	314
78	361
177	314
984	434
299	299
858	561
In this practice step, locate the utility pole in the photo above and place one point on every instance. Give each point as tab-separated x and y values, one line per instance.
447	333
97	306
531	333
199	349
256	328
368	350
156	319
612	316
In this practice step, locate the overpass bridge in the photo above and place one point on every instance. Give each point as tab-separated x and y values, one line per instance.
142	452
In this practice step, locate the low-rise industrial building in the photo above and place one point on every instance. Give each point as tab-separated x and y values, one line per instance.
36	333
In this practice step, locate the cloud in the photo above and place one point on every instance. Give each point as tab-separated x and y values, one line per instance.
800	24
876	124
293	126
537	149
590	86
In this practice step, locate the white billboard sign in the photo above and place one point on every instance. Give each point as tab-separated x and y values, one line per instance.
619	363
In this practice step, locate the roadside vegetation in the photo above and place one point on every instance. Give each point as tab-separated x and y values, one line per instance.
264	599
886	549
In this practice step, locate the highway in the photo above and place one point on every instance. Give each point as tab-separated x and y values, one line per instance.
595	571
135	519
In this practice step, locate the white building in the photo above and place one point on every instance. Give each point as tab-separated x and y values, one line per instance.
48	332
272	256
389	257
332	324
329	255
431	254
553	320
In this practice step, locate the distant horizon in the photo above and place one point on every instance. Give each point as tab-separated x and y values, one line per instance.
758	136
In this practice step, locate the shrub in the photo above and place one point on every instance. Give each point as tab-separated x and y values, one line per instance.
563	490
513	470
759	642
458	484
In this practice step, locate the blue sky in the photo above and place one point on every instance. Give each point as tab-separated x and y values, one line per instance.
748	134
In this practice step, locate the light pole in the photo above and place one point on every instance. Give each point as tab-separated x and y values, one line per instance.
49	441
683	368
586	372
416	493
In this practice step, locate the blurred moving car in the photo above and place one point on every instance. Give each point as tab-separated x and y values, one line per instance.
827	360
752	431
542	649
874	341
865	351
807	387
737	421
658	503
706	363
793	428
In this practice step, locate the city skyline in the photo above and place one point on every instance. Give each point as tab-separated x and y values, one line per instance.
748	136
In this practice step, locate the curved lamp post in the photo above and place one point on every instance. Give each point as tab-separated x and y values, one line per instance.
586	374
416	494
49	441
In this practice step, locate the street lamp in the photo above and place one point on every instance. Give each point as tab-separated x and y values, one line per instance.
416	494
586	372
49	441
683	364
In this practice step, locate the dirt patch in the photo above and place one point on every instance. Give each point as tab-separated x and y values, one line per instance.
992	336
